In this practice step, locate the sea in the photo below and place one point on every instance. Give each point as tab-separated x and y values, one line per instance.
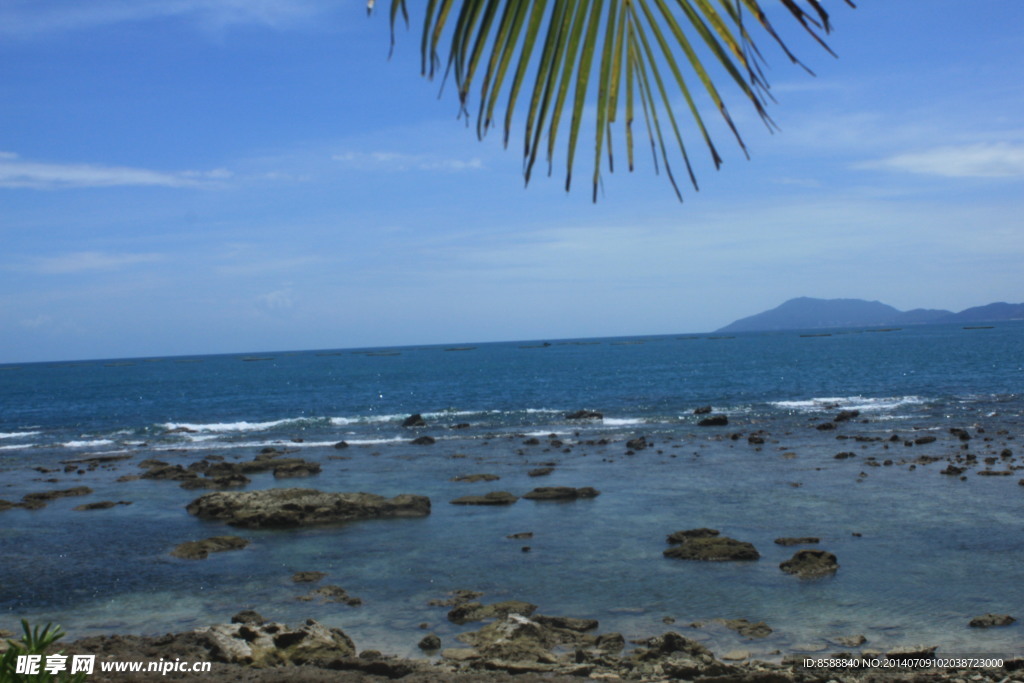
921	551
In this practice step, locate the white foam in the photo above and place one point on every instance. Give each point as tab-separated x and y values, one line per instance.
90	443
17	435
241	426
623	421
16	446
849	403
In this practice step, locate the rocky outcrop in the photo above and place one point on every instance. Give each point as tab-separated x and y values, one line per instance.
989	620
332	593
464	612
561	493
200	550
492	498
811	564
283	508
276	644
584	415
714	421
101	505
707	546
473	478
34	501
800	540
414	420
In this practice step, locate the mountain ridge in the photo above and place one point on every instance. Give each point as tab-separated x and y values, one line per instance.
808	313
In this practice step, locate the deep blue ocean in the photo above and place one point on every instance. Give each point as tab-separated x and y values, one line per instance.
920	552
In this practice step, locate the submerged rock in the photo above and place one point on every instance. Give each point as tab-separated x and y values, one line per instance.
801	540
492	498
283	508
989	620
810	564
199	550
584	415
714	421
710	548
561	493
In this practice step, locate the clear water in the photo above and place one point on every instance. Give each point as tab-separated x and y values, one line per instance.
932	551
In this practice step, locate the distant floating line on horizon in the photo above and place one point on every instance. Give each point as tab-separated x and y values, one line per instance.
382	353
825	334
250	359
189	360
461	348
689	338
980	327
332	353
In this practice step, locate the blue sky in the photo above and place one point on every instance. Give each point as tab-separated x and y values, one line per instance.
206	176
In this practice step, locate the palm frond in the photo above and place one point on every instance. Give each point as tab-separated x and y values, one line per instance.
558	42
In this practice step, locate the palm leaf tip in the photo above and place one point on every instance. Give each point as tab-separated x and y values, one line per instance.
560	58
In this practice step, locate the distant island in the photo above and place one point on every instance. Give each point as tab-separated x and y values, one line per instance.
806	313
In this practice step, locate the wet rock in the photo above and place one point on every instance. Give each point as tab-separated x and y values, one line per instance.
297	469
472	478
844	455
199	550
429	643
714	421
292	507
101	505
990	620
850	641
926	439
687	534
273	644
415	420
801	540
561	493
637	444
34	501
746	628
703	410
846	415
456	597
341	444
331	593
492	498
520	536
540	471
809	564
825	426
248	616
584	415
953	470
308	577
960	433
712	549
475	611
423	441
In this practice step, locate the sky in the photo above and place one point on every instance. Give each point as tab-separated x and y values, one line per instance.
214	176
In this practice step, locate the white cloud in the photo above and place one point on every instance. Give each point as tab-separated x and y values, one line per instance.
278	302
396	161
82	261
27	18
986	160
16	173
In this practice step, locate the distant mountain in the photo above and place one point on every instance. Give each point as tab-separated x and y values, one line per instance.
991	313
806	313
